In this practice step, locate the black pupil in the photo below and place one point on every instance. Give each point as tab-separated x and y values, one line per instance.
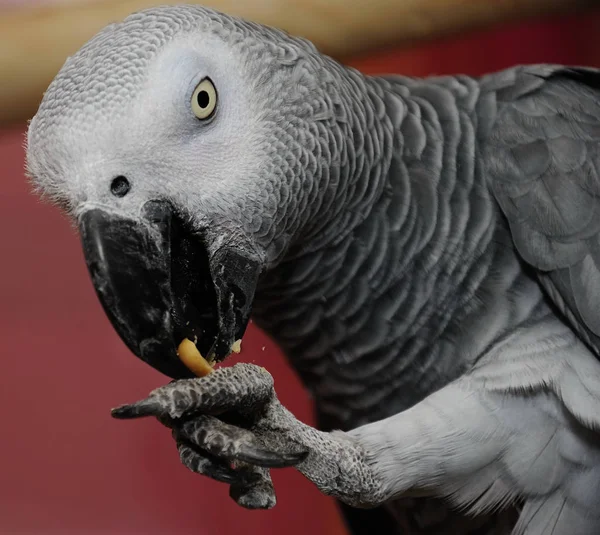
203	99
120	186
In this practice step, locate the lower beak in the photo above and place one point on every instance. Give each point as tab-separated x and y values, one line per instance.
131	262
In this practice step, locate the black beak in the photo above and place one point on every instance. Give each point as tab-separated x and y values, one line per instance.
158	286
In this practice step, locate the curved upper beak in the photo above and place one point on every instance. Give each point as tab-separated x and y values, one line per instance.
132	262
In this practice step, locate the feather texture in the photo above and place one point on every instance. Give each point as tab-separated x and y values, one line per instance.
542	163
510	432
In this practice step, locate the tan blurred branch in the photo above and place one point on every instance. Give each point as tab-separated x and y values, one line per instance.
34	42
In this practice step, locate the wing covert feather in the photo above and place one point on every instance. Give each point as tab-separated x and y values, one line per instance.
542	159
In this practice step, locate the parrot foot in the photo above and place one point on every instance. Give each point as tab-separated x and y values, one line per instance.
231	427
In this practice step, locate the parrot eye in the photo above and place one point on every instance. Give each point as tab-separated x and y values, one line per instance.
120	186
204	99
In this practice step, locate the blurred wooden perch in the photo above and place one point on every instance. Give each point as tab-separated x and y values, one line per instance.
35	41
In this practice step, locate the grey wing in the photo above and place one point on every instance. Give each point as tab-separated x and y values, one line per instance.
543	160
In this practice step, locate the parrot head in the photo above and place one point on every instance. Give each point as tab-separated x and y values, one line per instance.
185	146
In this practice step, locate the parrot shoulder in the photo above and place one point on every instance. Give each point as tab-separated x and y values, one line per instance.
542	163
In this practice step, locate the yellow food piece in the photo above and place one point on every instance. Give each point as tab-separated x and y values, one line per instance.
236	347
191	357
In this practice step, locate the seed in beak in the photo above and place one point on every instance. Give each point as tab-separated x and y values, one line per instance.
188	354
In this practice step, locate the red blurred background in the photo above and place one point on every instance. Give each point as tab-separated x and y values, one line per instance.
65	465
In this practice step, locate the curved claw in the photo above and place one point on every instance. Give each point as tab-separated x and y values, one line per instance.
250	486
249	453
235	444
139	409
242	386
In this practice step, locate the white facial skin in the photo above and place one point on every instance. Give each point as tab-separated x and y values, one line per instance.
154	138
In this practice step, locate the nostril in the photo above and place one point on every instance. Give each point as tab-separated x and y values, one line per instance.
120	186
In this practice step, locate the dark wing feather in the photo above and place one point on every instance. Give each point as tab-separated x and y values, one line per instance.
543	161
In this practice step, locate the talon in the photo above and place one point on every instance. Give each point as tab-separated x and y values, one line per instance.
269	459
139	409
234	443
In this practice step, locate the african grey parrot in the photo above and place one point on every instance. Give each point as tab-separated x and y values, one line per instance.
426	253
